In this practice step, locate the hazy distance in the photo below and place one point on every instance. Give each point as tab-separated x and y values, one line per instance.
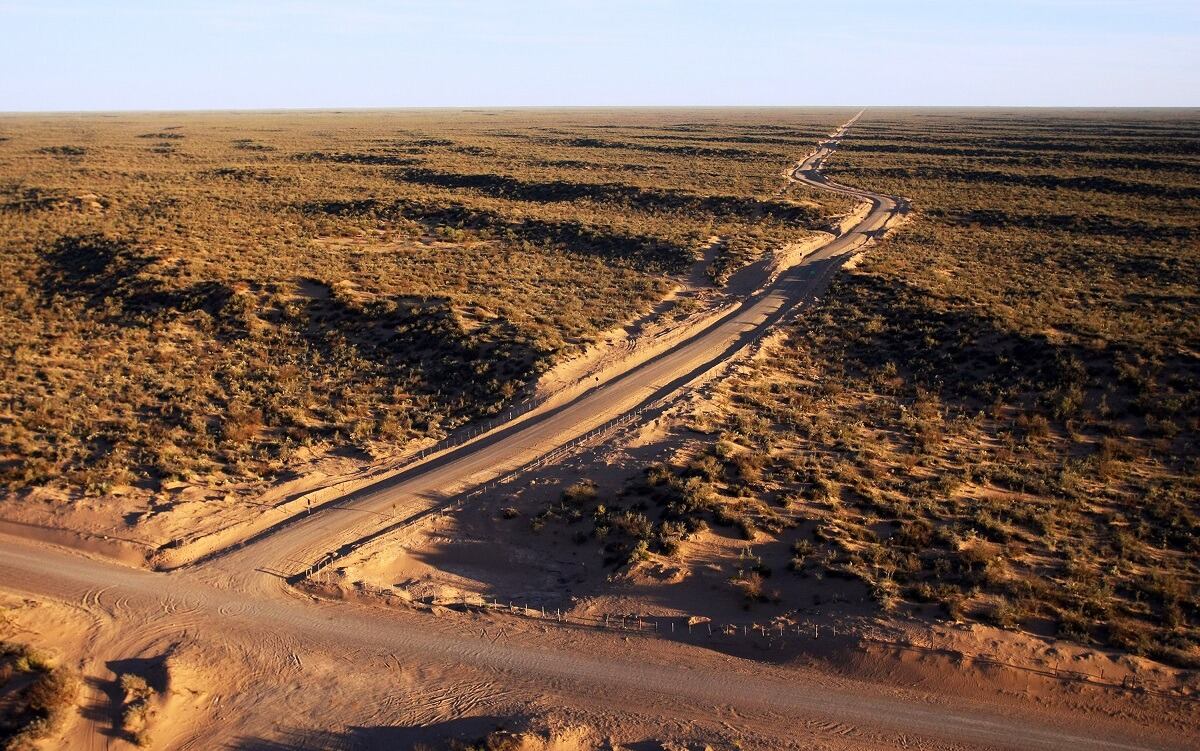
221	54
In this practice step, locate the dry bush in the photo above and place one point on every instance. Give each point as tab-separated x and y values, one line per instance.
34	695
201	297
135	708
537	734
997	411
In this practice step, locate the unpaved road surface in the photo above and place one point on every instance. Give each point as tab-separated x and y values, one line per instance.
278	659
597	674
298	543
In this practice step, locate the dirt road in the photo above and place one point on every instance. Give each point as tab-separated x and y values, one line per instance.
296	544
671	681
260	638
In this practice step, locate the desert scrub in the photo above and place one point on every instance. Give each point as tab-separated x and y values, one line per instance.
135	708
282	287
36	696
660	509
996	411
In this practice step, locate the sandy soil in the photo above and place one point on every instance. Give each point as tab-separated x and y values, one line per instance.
469	620
190	521
300	673
478	556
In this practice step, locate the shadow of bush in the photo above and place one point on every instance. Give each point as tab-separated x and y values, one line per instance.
641	199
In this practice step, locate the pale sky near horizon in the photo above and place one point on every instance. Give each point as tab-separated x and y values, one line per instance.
223	54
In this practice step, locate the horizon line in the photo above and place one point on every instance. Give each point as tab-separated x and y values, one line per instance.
495	107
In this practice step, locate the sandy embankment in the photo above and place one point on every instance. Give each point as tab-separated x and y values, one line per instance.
193	521
615	352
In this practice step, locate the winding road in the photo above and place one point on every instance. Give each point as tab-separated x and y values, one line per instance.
240	601
296	544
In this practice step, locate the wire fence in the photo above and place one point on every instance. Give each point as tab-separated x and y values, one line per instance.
780	634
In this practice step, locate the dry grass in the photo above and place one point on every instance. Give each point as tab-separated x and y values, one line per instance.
204	297
998	411
995	416
135	708
34	696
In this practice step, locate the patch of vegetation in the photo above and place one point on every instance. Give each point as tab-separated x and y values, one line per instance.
62	150
213	300
135	708
34	694
997	412
658	511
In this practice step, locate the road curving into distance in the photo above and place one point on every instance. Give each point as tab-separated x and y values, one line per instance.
240	597
296	544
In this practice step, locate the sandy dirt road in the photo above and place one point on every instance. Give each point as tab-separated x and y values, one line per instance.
678	682
281	659
295	544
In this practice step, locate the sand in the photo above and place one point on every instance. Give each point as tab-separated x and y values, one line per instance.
468	621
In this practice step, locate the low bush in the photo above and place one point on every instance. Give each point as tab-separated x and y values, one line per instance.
36	696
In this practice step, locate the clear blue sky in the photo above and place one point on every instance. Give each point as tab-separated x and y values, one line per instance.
208	54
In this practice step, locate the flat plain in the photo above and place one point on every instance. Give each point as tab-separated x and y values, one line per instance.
968	468
213	300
